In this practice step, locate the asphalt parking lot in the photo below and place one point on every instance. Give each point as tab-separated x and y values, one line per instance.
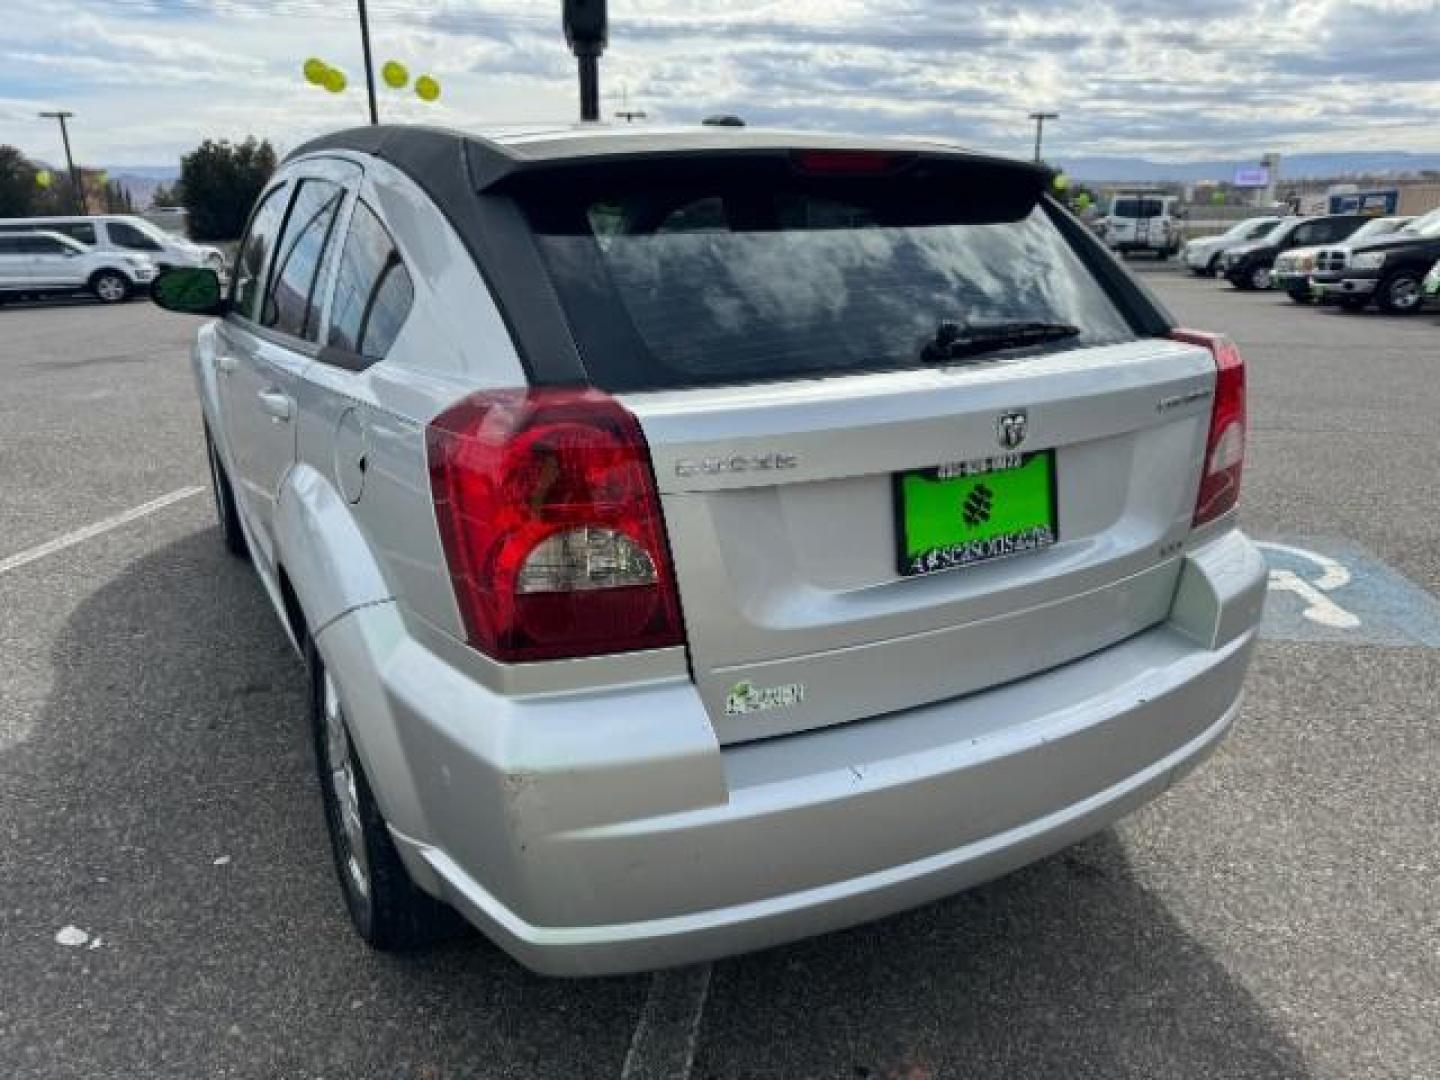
1276	916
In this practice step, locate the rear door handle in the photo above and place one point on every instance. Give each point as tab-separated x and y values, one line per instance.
226	364
276	403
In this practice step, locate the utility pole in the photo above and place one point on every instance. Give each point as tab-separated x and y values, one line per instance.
626	113
369	63
1040	118
75	183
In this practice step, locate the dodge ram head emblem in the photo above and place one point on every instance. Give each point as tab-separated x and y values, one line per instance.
1010	428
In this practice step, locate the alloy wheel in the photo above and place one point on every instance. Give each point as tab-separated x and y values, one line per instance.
340	762
110	288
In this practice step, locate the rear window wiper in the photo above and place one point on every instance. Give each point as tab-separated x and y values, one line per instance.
956	341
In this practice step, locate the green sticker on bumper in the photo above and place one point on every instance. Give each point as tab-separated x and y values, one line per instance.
959	515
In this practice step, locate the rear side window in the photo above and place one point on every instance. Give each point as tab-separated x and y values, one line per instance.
255	252
293	300
373	290
125	235
83	231
671	286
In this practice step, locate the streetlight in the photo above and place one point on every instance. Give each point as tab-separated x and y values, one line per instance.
1040	118
626	113
63	115
587	31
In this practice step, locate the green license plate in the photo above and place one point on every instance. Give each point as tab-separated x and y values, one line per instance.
975	511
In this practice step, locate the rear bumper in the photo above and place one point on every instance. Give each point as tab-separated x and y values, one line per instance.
610	832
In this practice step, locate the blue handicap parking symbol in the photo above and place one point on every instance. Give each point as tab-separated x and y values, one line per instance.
1335	590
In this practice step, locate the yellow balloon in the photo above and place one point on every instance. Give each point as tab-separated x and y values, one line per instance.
335	81
426	88
43	178
315	71
394	74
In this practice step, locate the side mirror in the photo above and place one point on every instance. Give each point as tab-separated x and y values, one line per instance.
190	290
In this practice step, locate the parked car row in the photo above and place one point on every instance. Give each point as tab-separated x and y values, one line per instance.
1350	259
110	256
43	263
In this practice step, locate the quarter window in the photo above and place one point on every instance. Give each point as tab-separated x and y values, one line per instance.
293	302
373	290
255	253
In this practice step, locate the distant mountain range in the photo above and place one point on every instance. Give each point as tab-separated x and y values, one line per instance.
1296	167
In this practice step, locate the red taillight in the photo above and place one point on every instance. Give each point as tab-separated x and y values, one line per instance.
1225	445
551	525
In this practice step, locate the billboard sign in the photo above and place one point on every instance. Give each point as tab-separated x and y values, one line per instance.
1252	176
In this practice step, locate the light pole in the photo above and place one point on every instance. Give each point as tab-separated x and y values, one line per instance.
1040	118
587	31
626	113
63	115
369	63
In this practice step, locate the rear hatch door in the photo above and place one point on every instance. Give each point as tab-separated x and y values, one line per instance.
866	515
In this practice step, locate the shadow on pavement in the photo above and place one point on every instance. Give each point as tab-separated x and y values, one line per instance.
1067	969
174	737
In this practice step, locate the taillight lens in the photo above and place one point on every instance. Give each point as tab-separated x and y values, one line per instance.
551	525
1225	445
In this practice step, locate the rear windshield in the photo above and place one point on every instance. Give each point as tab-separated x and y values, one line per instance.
670	286
1138	208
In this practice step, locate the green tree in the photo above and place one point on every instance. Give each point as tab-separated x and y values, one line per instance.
18	190
219	183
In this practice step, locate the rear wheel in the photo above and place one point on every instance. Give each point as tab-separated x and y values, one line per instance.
110	286
1400	293
385	906
1258	277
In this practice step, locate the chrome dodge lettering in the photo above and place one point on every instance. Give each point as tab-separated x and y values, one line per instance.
738	463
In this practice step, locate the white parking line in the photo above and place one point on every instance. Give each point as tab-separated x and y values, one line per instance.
663	1046
70	539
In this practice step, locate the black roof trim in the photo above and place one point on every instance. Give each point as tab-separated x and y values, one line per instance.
414	149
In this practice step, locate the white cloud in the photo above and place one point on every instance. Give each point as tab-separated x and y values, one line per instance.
150	78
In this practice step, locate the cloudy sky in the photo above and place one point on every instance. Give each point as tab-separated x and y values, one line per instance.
1167	79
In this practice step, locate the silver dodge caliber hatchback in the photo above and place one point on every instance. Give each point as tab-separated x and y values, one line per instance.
701	539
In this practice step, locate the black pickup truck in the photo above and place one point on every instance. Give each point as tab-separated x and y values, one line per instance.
1390	270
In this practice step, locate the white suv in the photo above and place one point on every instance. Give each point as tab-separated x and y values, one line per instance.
703	538
124	234
41	263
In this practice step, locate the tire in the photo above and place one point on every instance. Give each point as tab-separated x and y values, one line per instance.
1400	293
1258	277
110	287
388	911
225	509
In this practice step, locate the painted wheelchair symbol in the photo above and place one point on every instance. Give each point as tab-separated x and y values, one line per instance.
1313	588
